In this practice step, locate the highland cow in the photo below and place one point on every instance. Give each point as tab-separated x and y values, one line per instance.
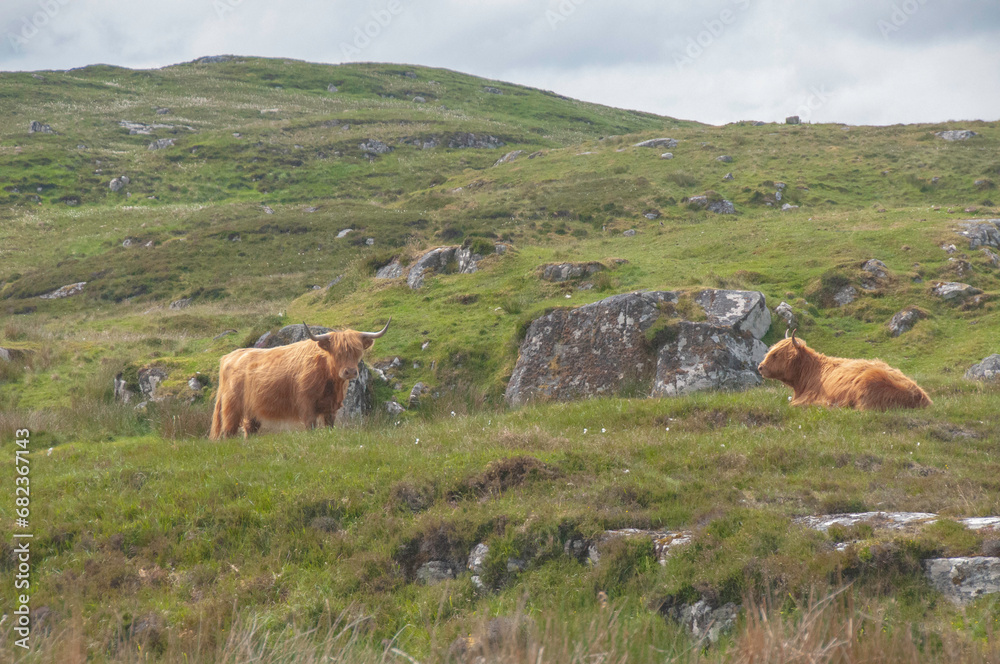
304	381
839	382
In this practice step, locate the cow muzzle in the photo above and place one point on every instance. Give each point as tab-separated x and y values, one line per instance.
349	373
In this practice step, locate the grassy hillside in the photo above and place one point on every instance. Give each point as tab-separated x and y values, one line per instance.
152	543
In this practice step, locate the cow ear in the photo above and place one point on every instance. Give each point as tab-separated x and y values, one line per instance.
367	342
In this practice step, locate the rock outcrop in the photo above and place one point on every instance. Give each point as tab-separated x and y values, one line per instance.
962	580
610	345
509	157
784	310
720	206
956	134
64	291
953	291
567	271
981	233
657	143
441	260
905	320
988	369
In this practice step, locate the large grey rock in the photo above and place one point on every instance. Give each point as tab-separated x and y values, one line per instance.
391	271
160	144
708	357
876	274
566	271
35	127
394	408
477	559
117	184
182	303
744	311
963	580
988	369
981	233
992	257
719	206
587	351
725	159
956	134
905	320
792	120
474	141
149	379
438	260
434	572
417	393
954	291
703	620
64	291
373	146
664	541
845	296
509	157
657	143
599	348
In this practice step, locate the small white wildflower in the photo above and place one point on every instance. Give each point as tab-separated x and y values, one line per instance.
49	453
585	429
722	445
568	296
918	444
626	470
418	442
603	430
800	426
453	413
789	398
668	428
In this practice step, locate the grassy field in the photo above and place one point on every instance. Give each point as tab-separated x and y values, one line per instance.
151	544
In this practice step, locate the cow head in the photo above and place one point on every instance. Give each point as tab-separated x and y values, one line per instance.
346	347
783	361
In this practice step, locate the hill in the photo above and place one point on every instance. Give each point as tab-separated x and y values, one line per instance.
242	176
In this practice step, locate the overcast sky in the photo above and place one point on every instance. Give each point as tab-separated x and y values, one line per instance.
717	61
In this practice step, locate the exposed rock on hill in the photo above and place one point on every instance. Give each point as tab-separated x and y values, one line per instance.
988	369
509	157
905	320
954	291
567	271
657	143
480	141
65	291
956	134
35	127
963	580
604	347
981	233
722	206
440	260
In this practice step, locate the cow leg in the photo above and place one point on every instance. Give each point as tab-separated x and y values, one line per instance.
231	419
251	425
216	431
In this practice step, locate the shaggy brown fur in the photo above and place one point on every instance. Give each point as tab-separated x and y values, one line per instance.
836	381
304	381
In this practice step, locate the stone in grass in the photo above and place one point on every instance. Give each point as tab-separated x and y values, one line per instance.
953	291
905	320
988	369
962	580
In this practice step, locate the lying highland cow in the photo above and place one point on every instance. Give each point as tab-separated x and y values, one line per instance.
836	381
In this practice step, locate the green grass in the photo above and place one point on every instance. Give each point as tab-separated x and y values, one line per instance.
146	535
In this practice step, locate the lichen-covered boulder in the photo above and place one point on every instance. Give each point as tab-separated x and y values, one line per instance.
988	369
962	580
905	320
708	357
438	260
744	311
981	233
587	351
393	270
604	347
954	291
657	143
567	271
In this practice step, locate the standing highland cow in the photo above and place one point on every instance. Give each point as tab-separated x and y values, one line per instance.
304	381
836	381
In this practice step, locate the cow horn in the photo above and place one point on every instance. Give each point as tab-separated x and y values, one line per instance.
376	335
309	332
786	332
793	337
